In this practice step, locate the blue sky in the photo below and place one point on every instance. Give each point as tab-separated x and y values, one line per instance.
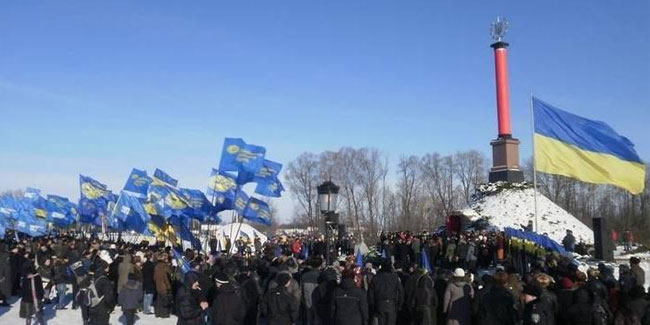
100	87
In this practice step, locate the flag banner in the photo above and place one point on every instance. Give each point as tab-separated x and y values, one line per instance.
92	189
590	151
236	155
183	231
168	199
61	211
199	207
31	226
181	262
269	171
257	211
138	183
32	193
130	211
222	187
241	202
273	188
165	178
244	177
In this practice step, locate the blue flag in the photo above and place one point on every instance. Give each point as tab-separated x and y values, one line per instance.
138	183
241	202
169	200
92	189
94	199
180	261
182	225
222	187
425	261
60	211
271	188
130	211
257	211
359	259
199	206
32	193
165	178
236	155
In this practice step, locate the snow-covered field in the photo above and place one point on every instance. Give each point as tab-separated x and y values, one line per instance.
9	316
516	206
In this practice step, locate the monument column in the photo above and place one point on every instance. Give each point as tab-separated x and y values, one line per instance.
505	148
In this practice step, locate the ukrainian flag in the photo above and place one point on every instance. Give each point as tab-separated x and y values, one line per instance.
591	151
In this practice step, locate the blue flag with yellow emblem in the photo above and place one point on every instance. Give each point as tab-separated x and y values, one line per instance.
199	207
222	188
60	211
236	155
138	183
165	178
94	199
130	211
257	211
241	202
182	227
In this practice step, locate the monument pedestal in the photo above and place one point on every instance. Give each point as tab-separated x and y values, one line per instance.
505	160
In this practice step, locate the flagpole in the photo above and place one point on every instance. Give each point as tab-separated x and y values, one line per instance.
532	122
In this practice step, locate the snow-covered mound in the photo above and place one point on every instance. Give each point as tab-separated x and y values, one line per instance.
513	205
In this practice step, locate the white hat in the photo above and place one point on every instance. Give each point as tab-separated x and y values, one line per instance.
112	246
104	255
459	273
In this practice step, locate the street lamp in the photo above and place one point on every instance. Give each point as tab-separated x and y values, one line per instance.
328	192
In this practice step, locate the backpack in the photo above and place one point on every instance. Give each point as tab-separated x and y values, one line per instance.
89	296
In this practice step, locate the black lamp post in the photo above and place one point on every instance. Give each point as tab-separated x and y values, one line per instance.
328	192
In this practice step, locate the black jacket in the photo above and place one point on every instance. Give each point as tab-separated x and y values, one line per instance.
349	305
188	310
322	296
148	285
497	307
385	286
279	307
105	289
228	308
534	313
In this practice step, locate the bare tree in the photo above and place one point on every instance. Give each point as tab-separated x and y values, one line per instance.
302	176
408	188
471	170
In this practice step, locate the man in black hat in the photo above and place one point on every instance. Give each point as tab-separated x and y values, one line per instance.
228	308
385	294
189	307
534	310
280	307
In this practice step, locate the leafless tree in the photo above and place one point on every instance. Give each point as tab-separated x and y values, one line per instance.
301	176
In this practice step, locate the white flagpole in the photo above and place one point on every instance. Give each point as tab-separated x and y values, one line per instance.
532	122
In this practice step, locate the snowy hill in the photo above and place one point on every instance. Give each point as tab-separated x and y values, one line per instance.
512	205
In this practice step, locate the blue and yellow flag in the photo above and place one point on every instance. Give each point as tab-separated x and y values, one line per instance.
257	211
199	207
61	211
590	151
138	183
222	188
131	212
165	178
236	155
241	202
92	189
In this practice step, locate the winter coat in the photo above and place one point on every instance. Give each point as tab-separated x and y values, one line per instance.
32	286
5	273
188	309
161	276
550	302
534	313
322	296
638	306
279	307
148	285
308	283
385	286
349	305
131	295
228	307
638	274
60	273
497	307
423	301
105	289
458	302
123	271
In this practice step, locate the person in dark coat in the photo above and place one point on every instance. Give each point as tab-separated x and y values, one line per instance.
385	294
228	308
457	299
32	293
278	306
100	314
637	303
309	283
130	297
548	297
423	302
5	276
189	308
251	293
148	285
349	305
581	311
497	305
323	294
162	279
534	307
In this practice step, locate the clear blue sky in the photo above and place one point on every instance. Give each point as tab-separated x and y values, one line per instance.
99	87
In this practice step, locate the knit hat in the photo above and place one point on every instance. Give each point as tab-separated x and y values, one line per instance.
221	278
282	279
459	273
566	283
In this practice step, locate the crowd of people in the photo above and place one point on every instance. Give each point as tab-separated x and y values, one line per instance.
476	277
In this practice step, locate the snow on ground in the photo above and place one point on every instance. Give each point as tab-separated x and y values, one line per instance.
513	207
9	315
